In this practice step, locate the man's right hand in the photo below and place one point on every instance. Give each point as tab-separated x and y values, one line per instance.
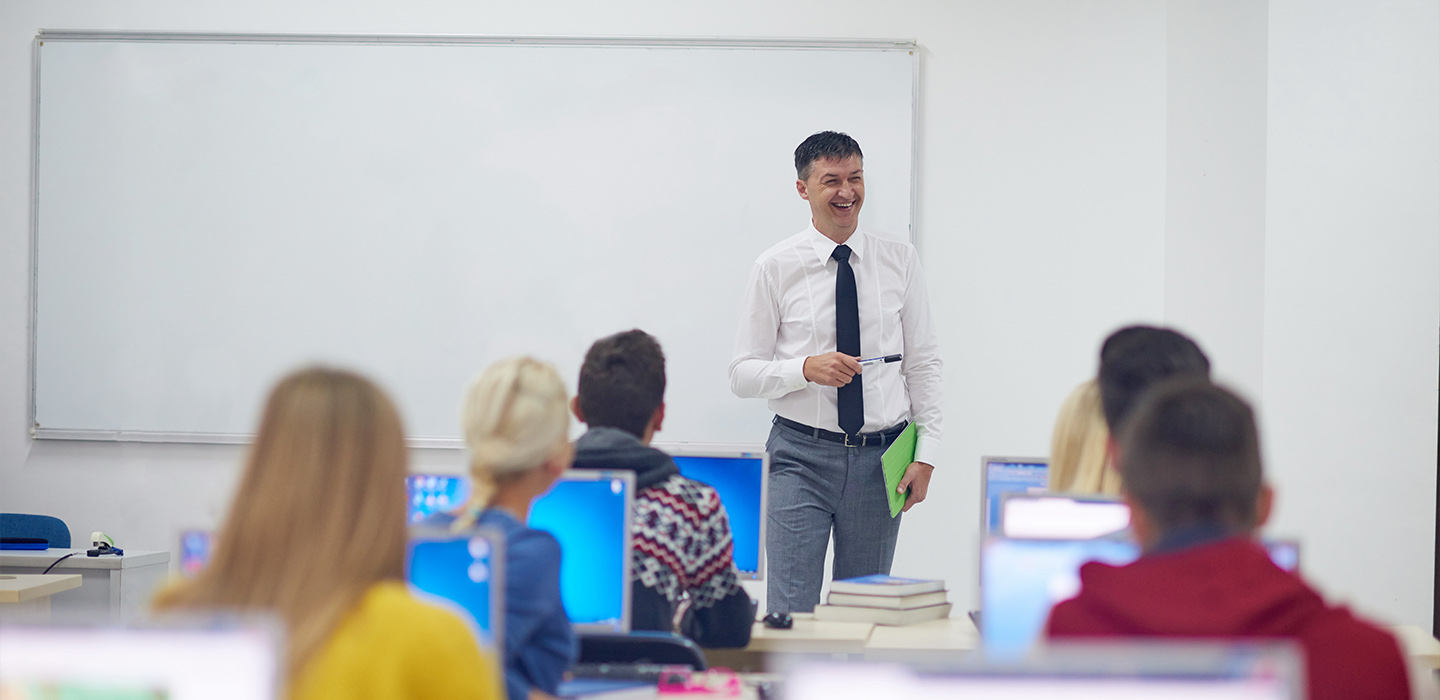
831	369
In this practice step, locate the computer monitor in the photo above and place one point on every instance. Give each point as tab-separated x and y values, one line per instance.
435	493
1022	579
588	511
219	662
195	546
467	570
1061	516
1002	475
740	478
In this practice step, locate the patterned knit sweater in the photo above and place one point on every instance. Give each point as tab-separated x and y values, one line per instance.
683	557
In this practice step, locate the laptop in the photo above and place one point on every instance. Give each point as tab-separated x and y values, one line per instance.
1062	516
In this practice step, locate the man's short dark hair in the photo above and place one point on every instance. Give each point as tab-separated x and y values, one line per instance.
825	144
622	381
1136	357
1190	456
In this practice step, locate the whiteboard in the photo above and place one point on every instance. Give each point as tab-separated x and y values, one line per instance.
212	211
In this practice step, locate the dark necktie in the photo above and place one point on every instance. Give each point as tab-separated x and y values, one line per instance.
851	398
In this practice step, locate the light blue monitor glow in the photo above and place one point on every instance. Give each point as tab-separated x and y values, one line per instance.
589	513
1021	580
740	483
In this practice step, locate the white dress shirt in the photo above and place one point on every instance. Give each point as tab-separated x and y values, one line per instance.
789	315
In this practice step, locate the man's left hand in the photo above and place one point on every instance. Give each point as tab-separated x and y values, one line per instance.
917	479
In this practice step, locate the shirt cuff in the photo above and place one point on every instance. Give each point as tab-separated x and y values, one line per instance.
792	372
927	449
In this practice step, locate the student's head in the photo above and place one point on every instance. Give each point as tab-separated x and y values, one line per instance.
516	426
1135	358
622	384
1190	457
1079	459
830	175
319	514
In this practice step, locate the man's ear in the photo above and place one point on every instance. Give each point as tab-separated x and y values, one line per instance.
575	408
1264	505
800	187
1112	451
658	418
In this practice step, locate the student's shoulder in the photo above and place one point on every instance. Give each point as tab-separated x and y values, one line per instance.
679	490
391	607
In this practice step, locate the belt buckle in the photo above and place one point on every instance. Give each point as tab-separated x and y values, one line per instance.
847	441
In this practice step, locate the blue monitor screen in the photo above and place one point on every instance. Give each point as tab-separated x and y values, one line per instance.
1020	580
739	482
1005	477
460	570
588	517
430	494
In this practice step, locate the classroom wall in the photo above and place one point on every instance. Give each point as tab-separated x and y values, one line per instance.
1262	175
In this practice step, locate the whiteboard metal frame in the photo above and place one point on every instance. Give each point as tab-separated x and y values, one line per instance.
87	35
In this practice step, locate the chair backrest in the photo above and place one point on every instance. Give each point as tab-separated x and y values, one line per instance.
53	529
641	647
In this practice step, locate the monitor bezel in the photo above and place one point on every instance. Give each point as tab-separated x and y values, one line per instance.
627	555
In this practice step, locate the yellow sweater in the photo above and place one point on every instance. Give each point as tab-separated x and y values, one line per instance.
393	646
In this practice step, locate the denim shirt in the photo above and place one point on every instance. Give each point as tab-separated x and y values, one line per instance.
539	642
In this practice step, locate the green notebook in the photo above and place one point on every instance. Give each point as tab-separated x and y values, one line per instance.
894	462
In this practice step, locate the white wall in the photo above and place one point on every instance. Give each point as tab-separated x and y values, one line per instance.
1057	186
1352	293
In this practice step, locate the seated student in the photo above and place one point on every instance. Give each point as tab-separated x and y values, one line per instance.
516	427
1190	460
683	562
316	535
1079	453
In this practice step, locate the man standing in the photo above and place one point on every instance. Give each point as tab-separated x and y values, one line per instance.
817	303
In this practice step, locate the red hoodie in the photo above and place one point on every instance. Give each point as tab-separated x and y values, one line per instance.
1231	589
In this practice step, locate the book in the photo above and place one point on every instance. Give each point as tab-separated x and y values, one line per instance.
880	584
890	602
894	462
881	616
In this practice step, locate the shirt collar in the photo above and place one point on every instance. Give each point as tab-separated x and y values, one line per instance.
824	247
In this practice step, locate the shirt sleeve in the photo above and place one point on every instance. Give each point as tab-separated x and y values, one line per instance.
755	373
922	366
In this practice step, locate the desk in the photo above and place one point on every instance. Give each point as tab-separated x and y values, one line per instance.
122	586
28	595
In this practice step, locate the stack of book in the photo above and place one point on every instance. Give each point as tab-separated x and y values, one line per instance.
884	600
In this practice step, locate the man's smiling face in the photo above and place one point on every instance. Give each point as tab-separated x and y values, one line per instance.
835	190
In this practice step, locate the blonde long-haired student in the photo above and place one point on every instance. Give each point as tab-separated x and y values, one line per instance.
316	535
516	419
1079	460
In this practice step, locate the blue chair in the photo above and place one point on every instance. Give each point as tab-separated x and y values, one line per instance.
53	529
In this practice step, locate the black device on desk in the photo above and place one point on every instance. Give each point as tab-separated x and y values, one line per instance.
779	621
24	543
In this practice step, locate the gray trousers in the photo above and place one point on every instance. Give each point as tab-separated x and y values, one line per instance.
816	487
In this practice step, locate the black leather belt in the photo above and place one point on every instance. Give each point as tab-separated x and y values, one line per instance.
878	439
